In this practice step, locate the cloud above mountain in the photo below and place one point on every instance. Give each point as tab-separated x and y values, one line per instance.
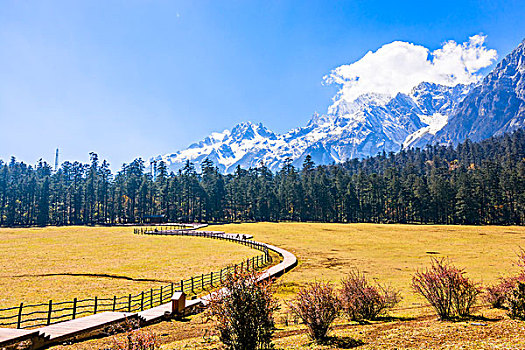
399	66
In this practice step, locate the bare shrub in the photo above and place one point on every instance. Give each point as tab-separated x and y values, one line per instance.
317	306
497	294
516	302
134	338
243	312
362	300
446	288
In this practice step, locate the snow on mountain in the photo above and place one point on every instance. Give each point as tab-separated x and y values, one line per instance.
399	96
370	124
436	103
243	145
494	107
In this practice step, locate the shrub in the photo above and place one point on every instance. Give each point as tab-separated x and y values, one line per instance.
497	294
137	339
447	289
363	301
133	339
243	311
317	306
516	302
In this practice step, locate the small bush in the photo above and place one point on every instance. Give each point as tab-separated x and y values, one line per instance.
135	340
134	337
446	288
502	294
516	302
243	312
497	294
363	301
317	306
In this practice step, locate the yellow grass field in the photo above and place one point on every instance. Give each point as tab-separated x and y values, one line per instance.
388	253
28	254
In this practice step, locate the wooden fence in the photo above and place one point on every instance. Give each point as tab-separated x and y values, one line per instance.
36	315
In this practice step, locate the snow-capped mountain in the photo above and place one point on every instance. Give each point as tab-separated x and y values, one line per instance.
437	103
370	124
494	107
376	122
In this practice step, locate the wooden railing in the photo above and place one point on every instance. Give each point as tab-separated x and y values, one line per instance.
36	315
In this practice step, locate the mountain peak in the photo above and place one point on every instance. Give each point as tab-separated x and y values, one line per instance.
377	122
370	124
494	107
248	131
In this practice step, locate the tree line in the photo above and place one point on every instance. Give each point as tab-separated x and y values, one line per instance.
473	183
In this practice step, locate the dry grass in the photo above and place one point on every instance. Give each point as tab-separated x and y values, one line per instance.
388	253
29	253
425	332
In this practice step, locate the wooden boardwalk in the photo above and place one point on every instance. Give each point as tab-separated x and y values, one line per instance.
10	336
97	324
70	329
155	314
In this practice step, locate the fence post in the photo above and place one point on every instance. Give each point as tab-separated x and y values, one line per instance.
192	286
211	279
182	286
142	301
19	321
74	308
129	303
202	281
49	312
151	298
221	275
160	301
95	307
114	302
171	288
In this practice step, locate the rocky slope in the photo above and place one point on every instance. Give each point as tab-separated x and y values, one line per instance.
494	107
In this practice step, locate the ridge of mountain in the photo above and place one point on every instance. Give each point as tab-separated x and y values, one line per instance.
373	123
494	107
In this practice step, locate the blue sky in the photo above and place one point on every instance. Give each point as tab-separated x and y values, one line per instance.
141	78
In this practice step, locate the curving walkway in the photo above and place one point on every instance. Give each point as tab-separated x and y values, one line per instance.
94	325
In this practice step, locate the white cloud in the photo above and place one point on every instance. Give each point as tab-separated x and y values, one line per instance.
399	66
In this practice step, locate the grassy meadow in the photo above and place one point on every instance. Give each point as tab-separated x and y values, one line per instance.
388	253
37	263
